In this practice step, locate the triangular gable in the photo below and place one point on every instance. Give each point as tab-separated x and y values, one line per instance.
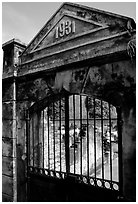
71	21
66	28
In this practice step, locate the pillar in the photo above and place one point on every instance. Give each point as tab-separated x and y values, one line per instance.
9	162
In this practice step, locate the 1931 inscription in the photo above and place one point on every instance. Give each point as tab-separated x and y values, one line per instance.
65	28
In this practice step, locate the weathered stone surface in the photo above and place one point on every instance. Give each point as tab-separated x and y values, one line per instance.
91	15
76	26
78	79
129	154
7	128
96	34
7	185
7	110
111	82
7	91
86	52
71	80
7	166
6	198
8	72
73	44
8	147
21	170
32	90
21	130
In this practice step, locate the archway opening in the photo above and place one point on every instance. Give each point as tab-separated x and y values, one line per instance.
75	136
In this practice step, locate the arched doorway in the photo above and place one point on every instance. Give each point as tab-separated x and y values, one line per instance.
74	140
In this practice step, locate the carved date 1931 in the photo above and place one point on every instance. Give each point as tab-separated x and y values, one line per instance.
65	28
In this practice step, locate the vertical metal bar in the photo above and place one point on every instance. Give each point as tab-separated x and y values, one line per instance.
102	139
38	125
31	142
60	131
120	159
54	132
39	140
80	132
28	138
28	152
74	128
67	134
110	143
43	132
48	135
94	138
87	139
33	137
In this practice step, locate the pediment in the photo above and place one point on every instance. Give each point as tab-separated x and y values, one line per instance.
70	24
66	28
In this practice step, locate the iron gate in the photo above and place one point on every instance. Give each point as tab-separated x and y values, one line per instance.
76	138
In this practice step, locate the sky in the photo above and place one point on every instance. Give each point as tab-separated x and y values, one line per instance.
23	20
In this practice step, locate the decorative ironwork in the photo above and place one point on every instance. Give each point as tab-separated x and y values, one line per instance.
76	136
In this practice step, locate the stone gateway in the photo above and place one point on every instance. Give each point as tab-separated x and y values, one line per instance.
69	110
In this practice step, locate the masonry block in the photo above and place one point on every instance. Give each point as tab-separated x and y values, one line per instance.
8	147
7	110
7	128
7	185
32	90
7	166
7	91
6	198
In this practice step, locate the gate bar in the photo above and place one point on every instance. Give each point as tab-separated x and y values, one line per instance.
28	152
74	128
33	137
28	138
67	134
54	132
48	136
102	139
43	133
39	137
87	139
110	142
60	131
94	138
80	132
